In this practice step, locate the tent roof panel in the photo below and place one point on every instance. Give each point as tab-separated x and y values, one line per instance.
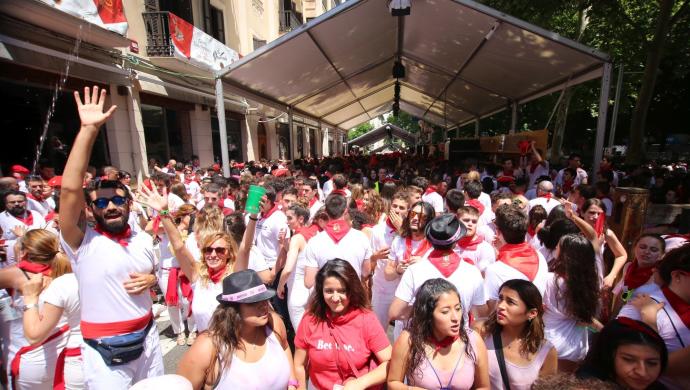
327	101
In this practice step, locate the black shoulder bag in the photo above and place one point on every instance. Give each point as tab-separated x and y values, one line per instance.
498	347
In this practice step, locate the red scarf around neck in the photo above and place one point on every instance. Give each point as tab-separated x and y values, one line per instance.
681	307
600	224
337	229
470	243
217	275
636	276
121	238
264	216
476	204
309	231
339	192
390	224
547	195
439	258
360	204
421	249
31	196
430	189
531	231
522	257
312	201
568	185
440	344
28	220
34	268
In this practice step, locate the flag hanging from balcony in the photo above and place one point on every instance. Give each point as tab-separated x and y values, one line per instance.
108	14
198	47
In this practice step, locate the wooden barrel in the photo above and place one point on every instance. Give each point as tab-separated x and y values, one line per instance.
628	218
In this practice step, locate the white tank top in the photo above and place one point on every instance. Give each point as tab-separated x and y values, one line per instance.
204	302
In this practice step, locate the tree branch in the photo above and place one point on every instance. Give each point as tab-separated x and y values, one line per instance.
681	13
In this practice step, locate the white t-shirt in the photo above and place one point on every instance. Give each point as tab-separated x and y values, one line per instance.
314	208
8	222
487	231
499	272
541	170
64	292
353	248
193	189
482	257
42	207
396	254
266	236
562	329
382	236
205	302
671	242
101	266
466	278
327	188
436	200
485	200
174	202
547	203
579	178
257	262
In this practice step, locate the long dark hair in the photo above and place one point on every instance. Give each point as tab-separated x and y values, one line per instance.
532	335
599	362
575	264
551	234
421	325
429	214
341	269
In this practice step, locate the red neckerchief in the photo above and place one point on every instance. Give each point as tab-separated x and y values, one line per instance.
187	181
34	268
51	216
548	196
156	225
533	167
436	258
230	197
677	235
31	196
390	224
270	212
28	220
531	231
568	185
217	275
476	204
339	192
421	249
439	345
309	231
522	257
636	276
508	173
470	243
312	201
337	229
171	298
360	204
599	225
120	238
681	307
430	190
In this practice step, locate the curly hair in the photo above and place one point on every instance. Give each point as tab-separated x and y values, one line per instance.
230	246
576	265
342	270
375	206
421	324
532	337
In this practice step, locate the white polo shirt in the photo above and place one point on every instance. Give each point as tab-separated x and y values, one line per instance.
266	236
466	278
354	248
436	200
8	222
499	272
102	266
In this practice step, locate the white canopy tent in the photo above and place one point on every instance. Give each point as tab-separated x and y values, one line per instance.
463	61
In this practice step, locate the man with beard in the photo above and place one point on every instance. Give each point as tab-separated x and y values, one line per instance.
36	199
113	265
16	216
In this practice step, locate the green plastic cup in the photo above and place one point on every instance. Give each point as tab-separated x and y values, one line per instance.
254	199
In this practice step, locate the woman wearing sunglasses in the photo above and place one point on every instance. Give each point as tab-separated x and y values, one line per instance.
219	258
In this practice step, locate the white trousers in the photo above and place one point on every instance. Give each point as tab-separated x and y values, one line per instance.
37	367
177	313
97	375
297	298
380	302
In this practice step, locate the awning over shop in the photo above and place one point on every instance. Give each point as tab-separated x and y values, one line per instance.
387	130
463	61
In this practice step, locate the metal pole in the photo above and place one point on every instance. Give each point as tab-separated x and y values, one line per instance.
476	128
220	112
292	136
513	118
616	105
601	121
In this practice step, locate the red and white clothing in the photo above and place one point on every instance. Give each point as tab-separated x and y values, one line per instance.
546	201
579	178
42	206
435	199
108	310
477	250
535	171
33	220
466	278
608	205
268	228
382	236
314	206
333	346
193	189
634	277
500	271
672	322
353	247
297	292
674	241
563	330
204	302
169	277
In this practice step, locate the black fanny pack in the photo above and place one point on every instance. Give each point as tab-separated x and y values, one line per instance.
121	349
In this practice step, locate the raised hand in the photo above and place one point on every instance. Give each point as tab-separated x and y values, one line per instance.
152	198
91	110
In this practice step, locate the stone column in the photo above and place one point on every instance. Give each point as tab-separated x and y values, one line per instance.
202	136
125	132
250	149
324	143
272	148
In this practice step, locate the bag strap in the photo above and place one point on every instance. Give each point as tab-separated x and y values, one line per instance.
340	345
498	347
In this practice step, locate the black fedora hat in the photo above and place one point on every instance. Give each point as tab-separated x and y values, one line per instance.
445	230
244	287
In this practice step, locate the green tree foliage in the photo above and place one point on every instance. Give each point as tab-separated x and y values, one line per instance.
359	130
404	121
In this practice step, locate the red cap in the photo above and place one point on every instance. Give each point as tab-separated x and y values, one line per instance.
19	169
56	181
280	172
506	179
216	167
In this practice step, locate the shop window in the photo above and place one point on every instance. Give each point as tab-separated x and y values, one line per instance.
234	139
300	141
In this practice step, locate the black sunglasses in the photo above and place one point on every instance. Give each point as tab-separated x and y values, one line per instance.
102	203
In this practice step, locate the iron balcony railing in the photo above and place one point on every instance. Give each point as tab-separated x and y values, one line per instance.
289	20
158	43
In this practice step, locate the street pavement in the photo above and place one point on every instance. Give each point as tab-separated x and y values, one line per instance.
172	353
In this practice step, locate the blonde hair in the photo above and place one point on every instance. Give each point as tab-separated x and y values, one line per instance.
357	191
473	176
230	246
208	220
43	247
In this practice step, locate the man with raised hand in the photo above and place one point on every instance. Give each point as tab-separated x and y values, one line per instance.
113	265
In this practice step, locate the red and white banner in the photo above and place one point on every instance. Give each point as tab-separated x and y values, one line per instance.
109	14
198	47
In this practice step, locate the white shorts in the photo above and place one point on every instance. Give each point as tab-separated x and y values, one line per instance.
97	375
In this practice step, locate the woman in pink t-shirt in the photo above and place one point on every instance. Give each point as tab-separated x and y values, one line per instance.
339	338
436	351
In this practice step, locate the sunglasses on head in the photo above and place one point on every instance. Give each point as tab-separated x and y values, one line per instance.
219	250
102	203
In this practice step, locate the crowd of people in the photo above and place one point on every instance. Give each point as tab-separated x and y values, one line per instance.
355	272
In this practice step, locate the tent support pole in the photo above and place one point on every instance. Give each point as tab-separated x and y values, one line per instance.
293	146
476	128
601	120
220	113
513	117
616	105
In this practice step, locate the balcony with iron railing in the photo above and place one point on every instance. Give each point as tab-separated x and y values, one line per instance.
289	20
158	42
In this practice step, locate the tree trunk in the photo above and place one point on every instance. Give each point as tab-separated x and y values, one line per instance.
635	152
559	126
